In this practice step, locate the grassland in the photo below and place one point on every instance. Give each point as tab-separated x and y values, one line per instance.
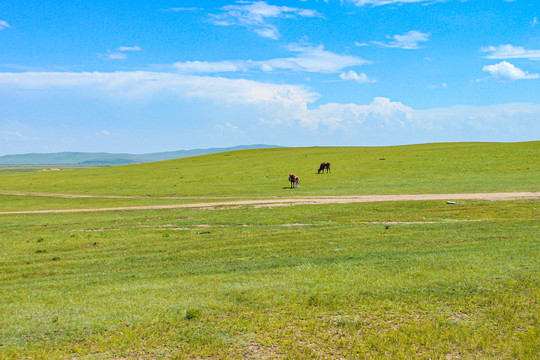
434	168
416	279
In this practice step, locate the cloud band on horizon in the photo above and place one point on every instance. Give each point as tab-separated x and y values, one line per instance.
288	105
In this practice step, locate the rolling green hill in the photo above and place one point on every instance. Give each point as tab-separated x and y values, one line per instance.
428	168
107	159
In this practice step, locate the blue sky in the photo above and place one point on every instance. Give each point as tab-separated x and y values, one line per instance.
147	76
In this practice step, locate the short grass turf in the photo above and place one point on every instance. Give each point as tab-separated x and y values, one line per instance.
382	280
428	168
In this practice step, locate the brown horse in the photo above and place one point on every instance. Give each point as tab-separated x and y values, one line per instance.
324	166
295	180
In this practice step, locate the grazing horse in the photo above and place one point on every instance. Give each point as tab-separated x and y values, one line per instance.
324	165
295	180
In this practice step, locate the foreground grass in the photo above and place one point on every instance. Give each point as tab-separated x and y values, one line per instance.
429	168
328	281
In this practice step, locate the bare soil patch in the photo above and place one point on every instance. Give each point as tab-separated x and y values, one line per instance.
308	200
50	169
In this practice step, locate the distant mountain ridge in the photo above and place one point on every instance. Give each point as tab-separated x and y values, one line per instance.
110	159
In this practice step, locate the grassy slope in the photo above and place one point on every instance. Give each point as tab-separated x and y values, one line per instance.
432	168
96	159
237	283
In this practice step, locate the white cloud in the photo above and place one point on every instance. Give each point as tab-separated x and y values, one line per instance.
359	44
194	67
287	105
308	59
506	71
443	85
10	135
534	22
3	25
145	85
129	48
181	9
315	59
386	2
510	52
408	40
229	127
394	122
505	122
120	53
381	112
254	15
352	75
284	107
268	31
14	131
115	55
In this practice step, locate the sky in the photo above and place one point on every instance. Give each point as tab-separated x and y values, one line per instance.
150	76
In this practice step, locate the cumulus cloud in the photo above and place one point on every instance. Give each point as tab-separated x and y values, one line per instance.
352	75
381	112
410	40
506	71
287	106
504	122
254	15
510	52
392	122
308	59
3	25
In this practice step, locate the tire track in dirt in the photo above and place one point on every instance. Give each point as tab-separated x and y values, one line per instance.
306	200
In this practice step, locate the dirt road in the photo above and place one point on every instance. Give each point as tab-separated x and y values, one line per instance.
274	202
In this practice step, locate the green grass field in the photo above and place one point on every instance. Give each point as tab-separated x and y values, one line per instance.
393	280
433	168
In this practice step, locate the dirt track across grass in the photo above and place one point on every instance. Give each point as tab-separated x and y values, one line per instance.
304	200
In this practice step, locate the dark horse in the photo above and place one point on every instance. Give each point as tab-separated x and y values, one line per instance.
295	180
324	166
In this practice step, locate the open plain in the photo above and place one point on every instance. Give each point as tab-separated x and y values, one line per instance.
427	251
